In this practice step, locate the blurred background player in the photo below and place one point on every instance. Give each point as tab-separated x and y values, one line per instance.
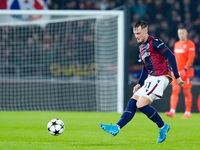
184	51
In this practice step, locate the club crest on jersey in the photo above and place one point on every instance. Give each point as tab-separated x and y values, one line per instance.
146	54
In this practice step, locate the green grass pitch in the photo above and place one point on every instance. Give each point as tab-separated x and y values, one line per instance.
28	131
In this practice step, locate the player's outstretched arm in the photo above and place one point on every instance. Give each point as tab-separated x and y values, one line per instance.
172	60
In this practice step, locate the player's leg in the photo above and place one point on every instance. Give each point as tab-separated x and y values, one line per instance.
173	99
129	113
151	113
125	118
143	105
154	87
188	102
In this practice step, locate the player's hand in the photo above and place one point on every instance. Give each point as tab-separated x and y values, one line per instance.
180	82
136	88
183	74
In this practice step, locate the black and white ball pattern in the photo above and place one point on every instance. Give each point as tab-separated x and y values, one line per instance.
55	127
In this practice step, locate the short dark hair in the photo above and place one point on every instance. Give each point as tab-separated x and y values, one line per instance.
182	26
141	24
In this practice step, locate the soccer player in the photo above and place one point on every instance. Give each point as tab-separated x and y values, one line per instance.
154	78
184	51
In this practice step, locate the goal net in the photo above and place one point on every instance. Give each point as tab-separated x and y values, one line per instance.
61	60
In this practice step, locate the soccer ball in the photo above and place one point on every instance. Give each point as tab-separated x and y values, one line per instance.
55	127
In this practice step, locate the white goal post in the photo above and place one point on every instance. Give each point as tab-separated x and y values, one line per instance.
62	61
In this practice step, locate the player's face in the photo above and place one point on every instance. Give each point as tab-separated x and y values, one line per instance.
140	34
182	34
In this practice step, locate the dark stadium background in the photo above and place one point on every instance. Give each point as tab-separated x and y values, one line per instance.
163	17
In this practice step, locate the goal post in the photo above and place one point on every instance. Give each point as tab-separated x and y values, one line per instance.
62	61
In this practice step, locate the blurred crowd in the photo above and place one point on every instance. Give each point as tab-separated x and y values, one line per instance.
84	4
163	17
34	49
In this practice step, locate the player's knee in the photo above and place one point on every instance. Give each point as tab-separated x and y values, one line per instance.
139	104
175	90
135	97
187	92
131	103
188	97
143	102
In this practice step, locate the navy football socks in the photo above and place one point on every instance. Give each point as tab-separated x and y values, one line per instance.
152	114
128	113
